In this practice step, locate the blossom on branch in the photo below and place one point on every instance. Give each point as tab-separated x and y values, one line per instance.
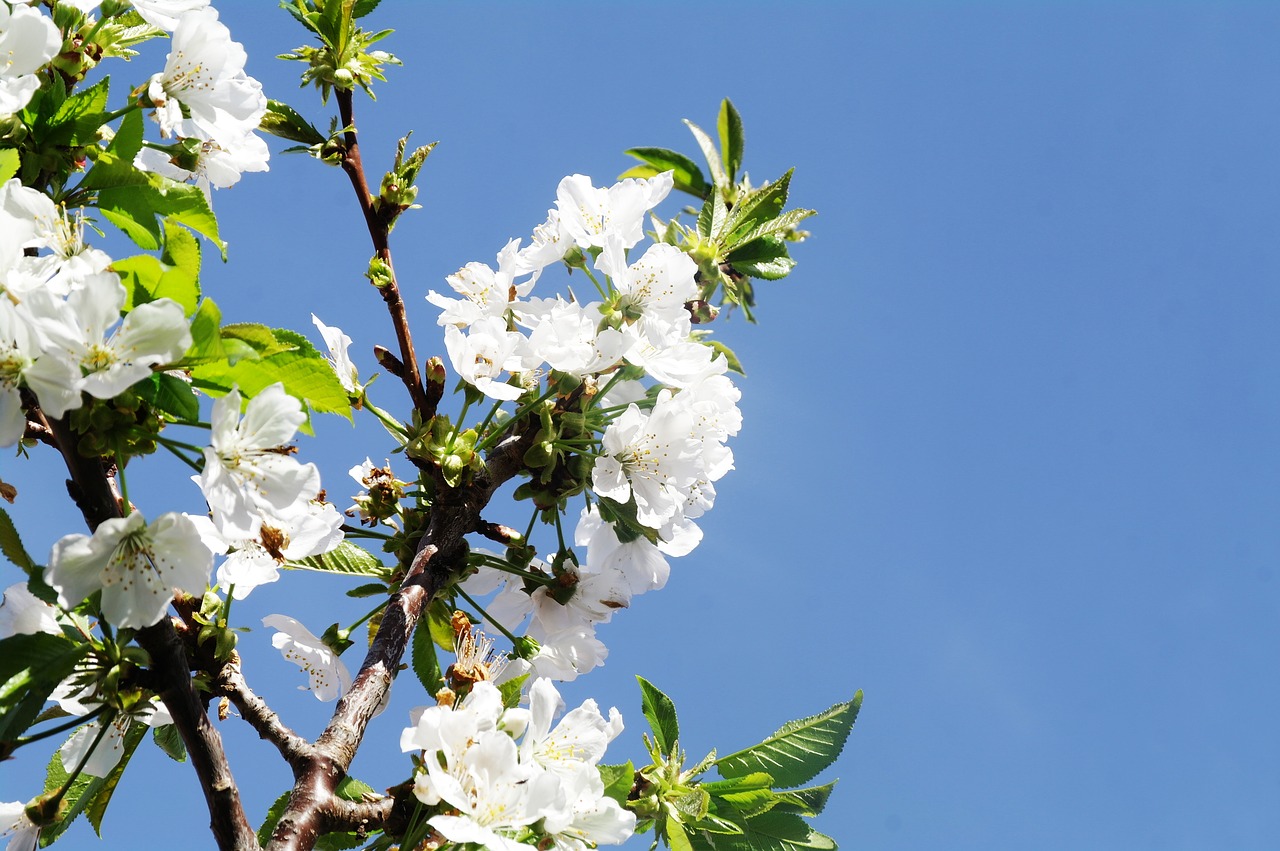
328	676
137	566
28	40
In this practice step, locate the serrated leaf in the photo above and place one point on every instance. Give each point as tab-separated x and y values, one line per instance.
369	589
78	118
440	624
169	740
755	780
127	208
274	812
718	177
511	690
618	780
88	793
799	749
729	127
776	831
426	665
778	225
677	838
11	545
284	121
31	667
346	558
258	337
764	258
128	139
170	394
805	802
757	206
206	337
9	162
660	711
363	7
685	172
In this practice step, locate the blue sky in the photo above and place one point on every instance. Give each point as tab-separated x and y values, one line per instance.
1008	461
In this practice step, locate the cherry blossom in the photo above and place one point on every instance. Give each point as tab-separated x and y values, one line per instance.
328	676
28	40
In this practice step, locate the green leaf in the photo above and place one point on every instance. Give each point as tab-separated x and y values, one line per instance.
440	624
128	139
258	337
11	545
729	356
758	206
346	558
729	126
170	741
677	838
709	151
687	176
778	225
755	780
426	665
800	749
510	691
661	714
170	394
369	589
305	373
181	258
78	117
363	7
283	121
618	780
349	789
776	831
764	258
206	339
146	279
9	162
805	802
31	667
273	817
127	208
88	794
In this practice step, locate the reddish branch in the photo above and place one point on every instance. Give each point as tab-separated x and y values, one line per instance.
379	231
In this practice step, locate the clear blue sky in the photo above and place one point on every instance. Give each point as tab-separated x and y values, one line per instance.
1009	458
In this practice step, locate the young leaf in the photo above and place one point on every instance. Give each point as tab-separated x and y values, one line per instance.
776	831
31	667
91	794
440	624
805	802
283	121
426	665
799	749
765	258
709	151
661	714
618	780
9	162
729	126
78	117
11	545
758	206
170	394
273	816
346	558
730	358
687	176
168	740
510	691
128	139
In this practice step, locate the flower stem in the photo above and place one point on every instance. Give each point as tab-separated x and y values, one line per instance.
375	610
104	725
515	642
507	567
124	485
61	728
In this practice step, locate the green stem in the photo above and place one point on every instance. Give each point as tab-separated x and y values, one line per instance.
489	417
390	422
105	724
493	438
586	270
124	485
192	423
506	567
61	728
359	532
532	520
515	642
376	609
124	110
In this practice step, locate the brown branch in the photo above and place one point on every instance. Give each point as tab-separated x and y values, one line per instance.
91	489
231	683
379	233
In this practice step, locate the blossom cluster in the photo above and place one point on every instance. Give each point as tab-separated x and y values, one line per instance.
505	778
663	448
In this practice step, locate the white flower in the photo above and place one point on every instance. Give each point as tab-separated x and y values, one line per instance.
485	292
246	476
137	566
566	336
256	561
205	73
589	215
224	152
328	675
482	355
28	40
153	334
549	245
338	344
651	457
23	833
23	613
30	220
653	290
54	380
579	739
640	561
565	654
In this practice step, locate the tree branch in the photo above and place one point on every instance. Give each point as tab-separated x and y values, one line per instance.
379	233
231	683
